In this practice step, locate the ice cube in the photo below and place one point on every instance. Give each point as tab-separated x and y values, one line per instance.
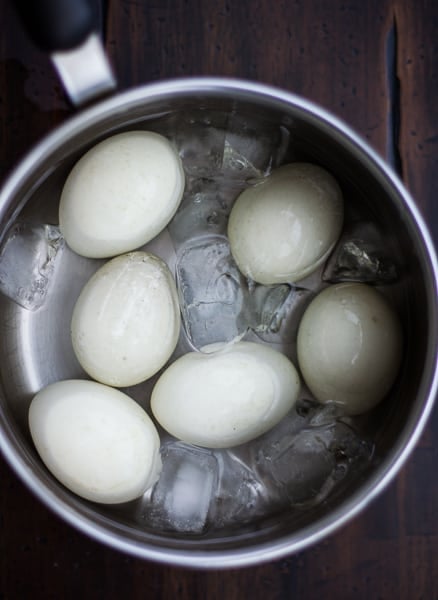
240	496
252	148
362	254
200	139
203	211
237	165
262	307
28	257
214	144
305	458
211	292
279	312
218	304
181	498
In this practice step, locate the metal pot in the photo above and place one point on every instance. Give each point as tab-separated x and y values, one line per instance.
35	346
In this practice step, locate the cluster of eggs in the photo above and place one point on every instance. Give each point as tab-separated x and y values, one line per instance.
125	326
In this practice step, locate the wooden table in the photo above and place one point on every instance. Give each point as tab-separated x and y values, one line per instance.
375	65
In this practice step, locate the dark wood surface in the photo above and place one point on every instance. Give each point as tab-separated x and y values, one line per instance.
374	63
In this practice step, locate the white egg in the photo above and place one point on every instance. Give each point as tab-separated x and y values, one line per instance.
225	395
283	228
349	346
126	321
121	194
95	440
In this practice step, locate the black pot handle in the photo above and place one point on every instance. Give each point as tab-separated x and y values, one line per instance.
58	25
69	31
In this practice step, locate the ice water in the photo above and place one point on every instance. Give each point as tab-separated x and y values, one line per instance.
300	461
292	467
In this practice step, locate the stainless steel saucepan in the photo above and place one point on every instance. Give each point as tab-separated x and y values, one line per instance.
35	345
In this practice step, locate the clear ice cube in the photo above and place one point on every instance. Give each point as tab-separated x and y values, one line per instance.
309	453
217	145
303	468
240	496
280	313
236	164
28	257
218	304
362	254
200	140
210	289
252	148
181	498
203	211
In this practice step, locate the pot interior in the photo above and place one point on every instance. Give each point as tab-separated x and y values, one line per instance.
228	137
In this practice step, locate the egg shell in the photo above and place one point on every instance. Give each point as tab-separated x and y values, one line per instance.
126	321
349	346
95	440
121	194
282	229
225	395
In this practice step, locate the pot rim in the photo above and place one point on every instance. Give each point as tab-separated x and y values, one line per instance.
385	472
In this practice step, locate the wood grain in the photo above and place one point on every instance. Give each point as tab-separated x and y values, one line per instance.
375	65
